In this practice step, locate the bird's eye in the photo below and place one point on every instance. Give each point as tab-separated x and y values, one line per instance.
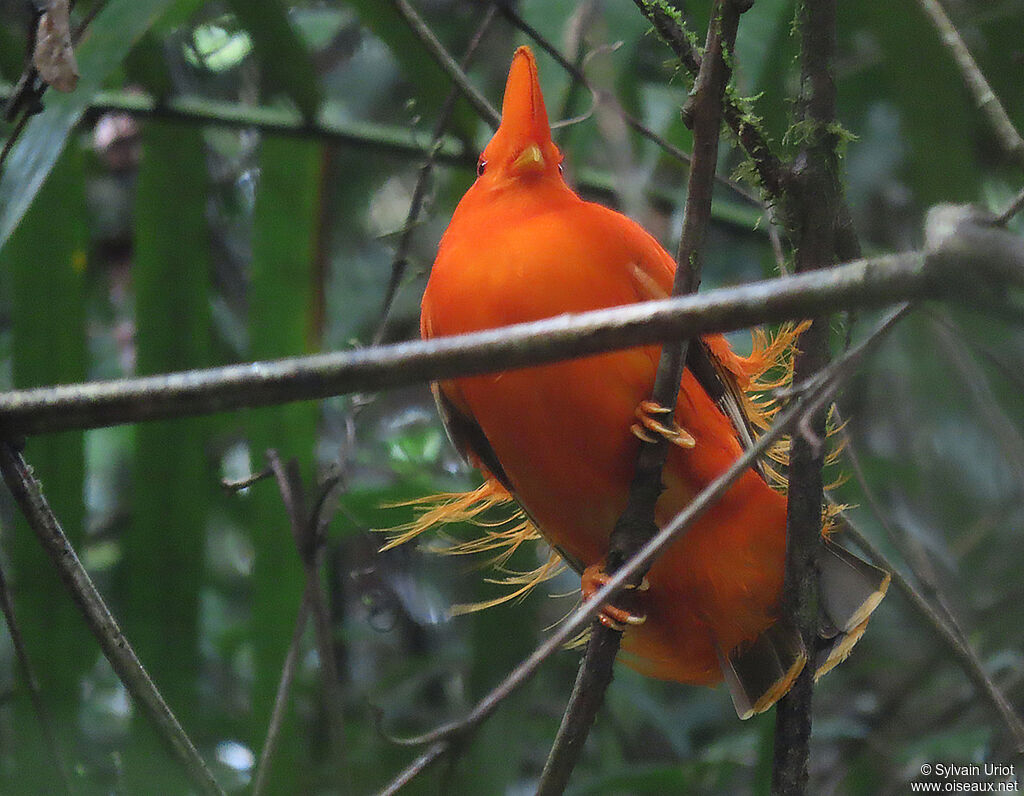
480	166
561	169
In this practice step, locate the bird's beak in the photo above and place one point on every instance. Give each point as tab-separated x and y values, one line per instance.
530	161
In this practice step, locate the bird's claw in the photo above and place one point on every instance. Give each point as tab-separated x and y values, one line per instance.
611	616
674	433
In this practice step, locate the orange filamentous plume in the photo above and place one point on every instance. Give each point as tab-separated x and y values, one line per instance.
561	439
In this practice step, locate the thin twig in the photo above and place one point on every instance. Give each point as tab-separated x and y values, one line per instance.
1003	430
1014	207
306	526
400	261
28	494
445	60
57	759
432	754
984	97
812	399
11	139
281	698
1004	368
636	525
876	282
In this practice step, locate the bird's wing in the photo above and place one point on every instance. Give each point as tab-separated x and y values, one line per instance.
468	438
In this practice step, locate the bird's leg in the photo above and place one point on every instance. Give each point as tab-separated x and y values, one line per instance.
592	579
674	433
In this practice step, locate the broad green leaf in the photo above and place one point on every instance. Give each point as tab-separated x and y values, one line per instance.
108	40
282	298
282	54
161	572
45	265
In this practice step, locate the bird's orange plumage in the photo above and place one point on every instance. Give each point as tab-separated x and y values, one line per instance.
523	246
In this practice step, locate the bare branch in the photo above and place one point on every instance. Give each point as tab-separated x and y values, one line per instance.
28	494
284	686
1014	207
306	526
994	257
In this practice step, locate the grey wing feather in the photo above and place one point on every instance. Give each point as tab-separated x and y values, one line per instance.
472	444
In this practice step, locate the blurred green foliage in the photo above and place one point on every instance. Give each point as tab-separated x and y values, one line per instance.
153	245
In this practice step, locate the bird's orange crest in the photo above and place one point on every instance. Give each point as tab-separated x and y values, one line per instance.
522	145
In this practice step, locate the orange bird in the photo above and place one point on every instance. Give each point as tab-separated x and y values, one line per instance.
561	440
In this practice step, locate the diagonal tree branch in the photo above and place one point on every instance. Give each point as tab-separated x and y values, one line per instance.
668	22
636	525
307	525
284	686
958	262
775	176
28	494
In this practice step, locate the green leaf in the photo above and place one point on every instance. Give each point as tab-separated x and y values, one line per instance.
44	263
108	40
161	572
282	310
282	55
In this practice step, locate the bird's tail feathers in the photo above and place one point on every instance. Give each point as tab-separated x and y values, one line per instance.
758	673
850	590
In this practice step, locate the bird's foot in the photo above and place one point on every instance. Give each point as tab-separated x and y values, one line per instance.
674	433
592	579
